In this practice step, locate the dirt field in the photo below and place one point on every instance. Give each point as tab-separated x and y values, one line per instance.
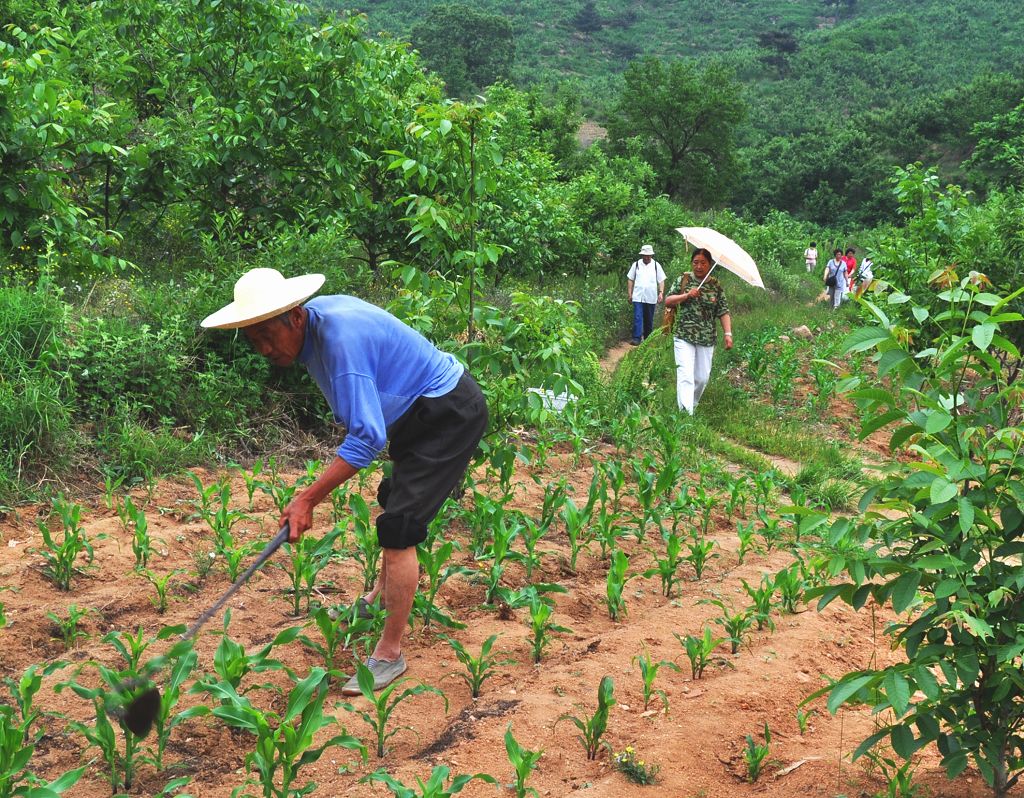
697	743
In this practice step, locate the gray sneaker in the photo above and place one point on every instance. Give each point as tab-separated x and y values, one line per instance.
384	673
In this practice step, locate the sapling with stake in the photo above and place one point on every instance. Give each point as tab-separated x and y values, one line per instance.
480	668
524	762
384	702
592	729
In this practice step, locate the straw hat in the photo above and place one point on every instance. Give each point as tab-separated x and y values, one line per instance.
646	249
261	294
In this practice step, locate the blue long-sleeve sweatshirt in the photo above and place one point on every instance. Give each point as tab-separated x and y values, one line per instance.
371	368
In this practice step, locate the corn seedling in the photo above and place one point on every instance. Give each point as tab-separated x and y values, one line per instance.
367	550
524	762
514	599
330	622
437	786
699	554
679	509
790	586
203	560
755	755
667	567
541	625
771	530
478	669
16	748
576	520
181	667
745	532
705	502
23	692
736	624
592	729
738	493
899	778
160	585
500	554
133	519
384	702
762	596
435	564
252	482
204	501
284	741
68	627
699	650
306	559
615	584
555	494
232	664
60	559
764	485
648	673
339	506
803	719
646	494
532	534
111	485
615	475
276	488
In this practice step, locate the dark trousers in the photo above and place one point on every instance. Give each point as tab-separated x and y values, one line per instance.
643	319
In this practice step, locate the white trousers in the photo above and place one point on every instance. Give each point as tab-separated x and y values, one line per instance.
693	368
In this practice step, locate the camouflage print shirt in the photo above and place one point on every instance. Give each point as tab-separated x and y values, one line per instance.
695	319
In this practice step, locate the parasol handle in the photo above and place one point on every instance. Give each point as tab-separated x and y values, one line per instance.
706	276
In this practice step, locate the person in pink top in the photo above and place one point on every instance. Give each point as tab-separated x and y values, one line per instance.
851	267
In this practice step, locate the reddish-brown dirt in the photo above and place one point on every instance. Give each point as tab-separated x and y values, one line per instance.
697	743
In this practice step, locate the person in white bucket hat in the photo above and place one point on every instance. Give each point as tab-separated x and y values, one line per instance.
646	289
385	383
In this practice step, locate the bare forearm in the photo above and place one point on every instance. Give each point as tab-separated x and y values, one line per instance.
337	473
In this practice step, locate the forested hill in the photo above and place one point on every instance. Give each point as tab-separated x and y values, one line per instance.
835	93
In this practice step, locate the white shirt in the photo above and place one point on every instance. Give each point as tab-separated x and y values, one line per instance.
811	255
646	277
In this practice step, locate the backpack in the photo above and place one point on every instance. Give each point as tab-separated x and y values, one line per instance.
830	275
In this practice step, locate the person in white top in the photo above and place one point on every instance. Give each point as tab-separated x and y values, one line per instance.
865	276
811	257
646	289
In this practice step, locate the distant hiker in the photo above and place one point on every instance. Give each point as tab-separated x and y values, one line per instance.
864	276
835	278
384	382
646	289
811	257
851	269
695	334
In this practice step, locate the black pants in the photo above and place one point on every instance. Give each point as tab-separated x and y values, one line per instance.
430	447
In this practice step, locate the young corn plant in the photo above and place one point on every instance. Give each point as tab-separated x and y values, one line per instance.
306	559
705	501
764	486
745	532
790	584
532	534
331	625
648	673
762	597
142	544
647	496
667	567
592	729
499	553
61	558
739	492
699	650
615	476
541	625
384	702
755	755
276	488
367	549
437	786
68	628
480	668
736	624
160	584
435	563
576	521
771	530
615	584
231	663
17	745
111	485
607	531
524	762
181	667
555	494
699	553
252	482
204	502
285	740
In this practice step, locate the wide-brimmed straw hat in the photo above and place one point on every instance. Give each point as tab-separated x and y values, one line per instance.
646	249
261	294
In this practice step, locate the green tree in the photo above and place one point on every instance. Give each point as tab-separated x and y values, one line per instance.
468	48
681	118
1000	147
